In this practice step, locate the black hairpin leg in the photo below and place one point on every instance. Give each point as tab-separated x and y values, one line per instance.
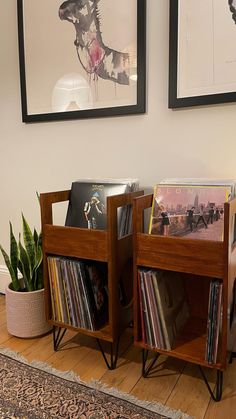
146	370
114	356
57	336
219	385
232	356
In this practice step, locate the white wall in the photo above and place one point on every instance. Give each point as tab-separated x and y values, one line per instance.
163	143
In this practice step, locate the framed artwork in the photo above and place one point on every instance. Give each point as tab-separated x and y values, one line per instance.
202	54
81	58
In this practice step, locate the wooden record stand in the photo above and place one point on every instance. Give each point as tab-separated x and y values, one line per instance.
199	261
97	245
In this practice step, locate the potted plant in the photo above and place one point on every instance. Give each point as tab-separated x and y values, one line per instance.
25	308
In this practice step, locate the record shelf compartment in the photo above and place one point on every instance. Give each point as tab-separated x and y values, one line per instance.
98	245
198	261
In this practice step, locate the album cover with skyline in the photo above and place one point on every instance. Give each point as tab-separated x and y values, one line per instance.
189	210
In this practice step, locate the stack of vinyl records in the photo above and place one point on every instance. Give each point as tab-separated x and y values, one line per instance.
163	307
88	203
213	321
78	292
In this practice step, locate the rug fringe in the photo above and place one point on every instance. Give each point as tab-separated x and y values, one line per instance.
97	385
153	406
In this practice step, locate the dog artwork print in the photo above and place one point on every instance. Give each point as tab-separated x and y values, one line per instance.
232	6
97	58
87	59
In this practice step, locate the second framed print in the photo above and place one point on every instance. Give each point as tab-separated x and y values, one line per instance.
202	55
81	58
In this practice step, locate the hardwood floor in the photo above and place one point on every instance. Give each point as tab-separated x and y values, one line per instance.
172	382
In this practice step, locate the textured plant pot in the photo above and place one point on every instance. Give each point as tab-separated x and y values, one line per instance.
26	313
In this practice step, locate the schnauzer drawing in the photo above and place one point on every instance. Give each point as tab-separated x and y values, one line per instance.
96	58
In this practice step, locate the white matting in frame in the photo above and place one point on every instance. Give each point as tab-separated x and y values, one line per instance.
205	52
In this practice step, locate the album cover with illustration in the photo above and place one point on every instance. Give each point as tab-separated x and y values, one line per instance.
88	202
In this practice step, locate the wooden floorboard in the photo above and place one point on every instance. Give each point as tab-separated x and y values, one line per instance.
161	381
190	394
172	382
127	373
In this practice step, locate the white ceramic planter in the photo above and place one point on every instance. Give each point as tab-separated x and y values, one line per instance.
26	313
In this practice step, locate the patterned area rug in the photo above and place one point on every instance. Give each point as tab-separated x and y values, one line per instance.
35	390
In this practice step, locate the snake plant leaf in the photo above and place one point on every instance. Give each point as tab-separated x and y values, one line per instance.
25	268
29	242
38	276
39	279
13	251
36	237
14	278
38	196
39	257
22	281
40	240
38	268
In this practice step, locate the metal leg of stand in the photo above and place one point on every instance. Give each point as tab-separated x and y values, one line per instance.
219	385
232	356
114	356
57	336
146	370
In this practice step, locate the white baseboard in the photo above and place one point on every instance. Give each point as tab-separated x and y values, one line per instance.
5	278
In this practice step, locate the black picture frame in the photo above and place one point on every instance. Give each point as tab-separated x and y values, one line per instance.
138	107
197	100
